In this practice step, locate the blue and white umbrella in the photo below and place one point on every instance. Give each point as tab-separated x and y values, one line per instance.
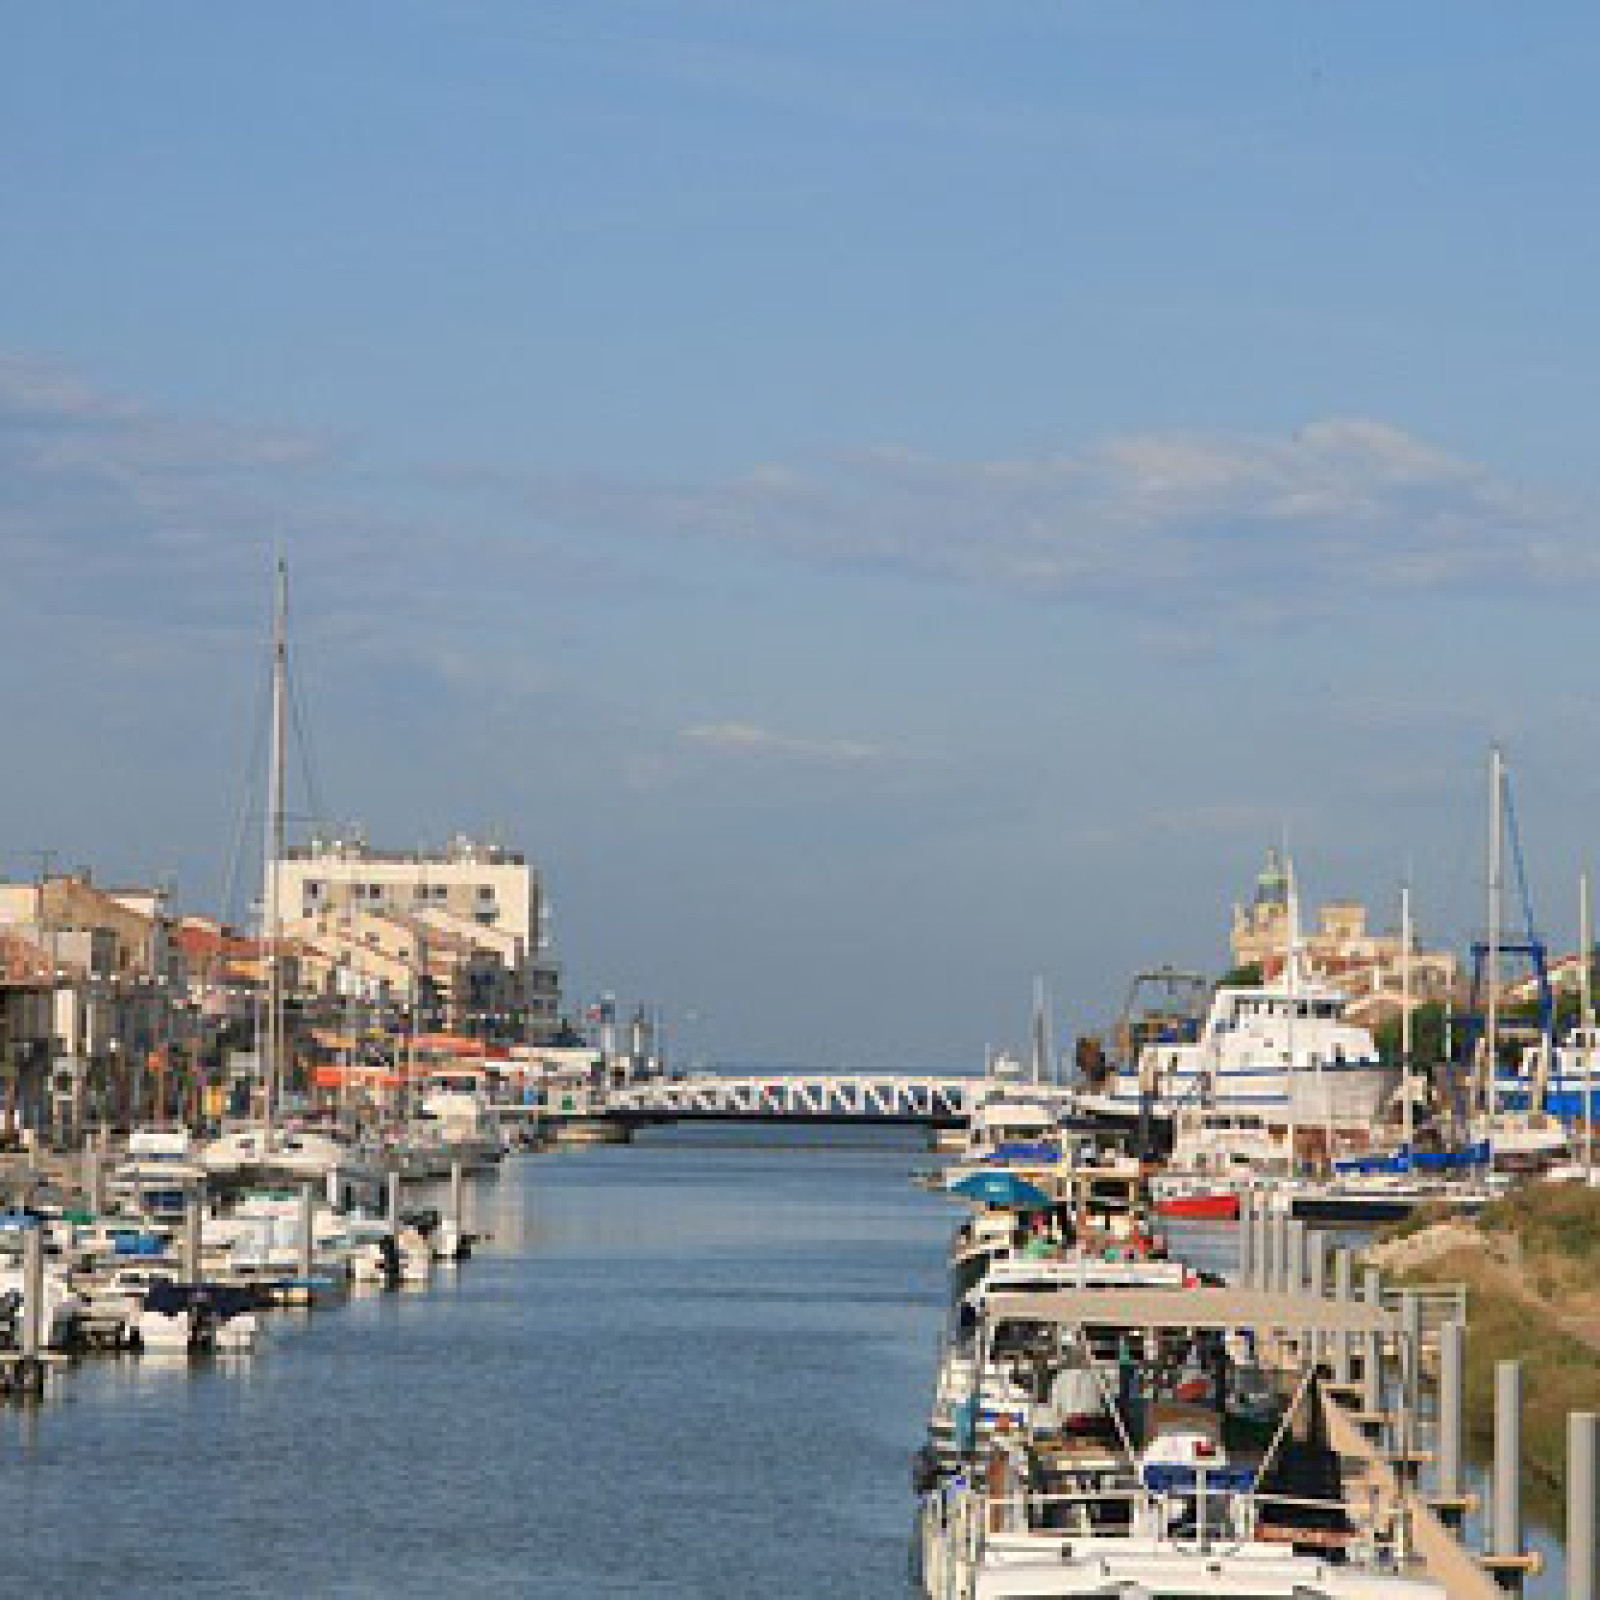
1001	1189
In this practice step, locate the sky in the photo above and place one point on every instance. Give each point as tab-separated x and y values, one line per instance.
879	500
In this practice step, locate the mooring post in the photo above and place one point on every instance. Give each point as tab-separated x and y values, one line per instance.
1247	1220
193	1234
32	1293
1277	1250
93	1193
1294	1275
1452	1357
1372	1352
1583	1570
1506	1528
1409	1367
1343	1293
394	1203
1316	1279
308	1254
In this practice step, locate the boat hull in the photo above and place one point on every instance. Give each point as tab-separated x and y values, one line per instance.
1353	1209
1218	1207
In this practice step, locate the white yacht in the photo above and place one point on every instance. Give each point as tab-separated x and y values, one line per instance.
292	1155
1010	1120
160	1169
1280	1054
458	1120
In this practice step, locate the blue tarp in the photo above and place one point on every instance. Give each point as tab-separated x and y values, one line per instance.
1405	1160
137	1244
1167	1477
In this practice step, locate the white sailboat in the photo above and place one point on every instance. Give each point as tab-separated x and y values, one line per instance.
1510	1111
264	1149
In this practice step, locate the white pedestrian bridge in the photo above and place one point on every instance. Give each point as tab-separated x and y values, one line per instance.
905	1099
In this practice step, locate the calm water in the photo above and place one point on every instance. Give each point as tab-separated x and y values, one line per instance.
692	1367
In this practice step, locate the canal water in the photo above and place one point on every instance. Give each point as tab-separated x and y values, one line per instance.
697	1366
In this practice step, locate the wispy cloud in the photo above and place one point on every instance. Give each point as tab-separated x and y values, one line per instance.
1263	528
749	738
108	486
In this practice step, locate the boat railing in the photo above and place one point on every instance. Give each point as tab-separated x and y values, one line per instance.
1188	1519
1026	1511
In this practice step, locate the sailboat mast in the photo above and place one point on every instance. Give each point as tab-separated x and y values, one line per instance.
1586	1017
272	915
1291	960
1491	1032
1041	1037
1406	1111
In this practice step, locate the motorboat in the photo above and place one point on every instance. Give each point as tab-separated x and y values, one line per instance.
1217	1157
987	1372
258	1154
1207	1476
456	1117
62	1308
158	1174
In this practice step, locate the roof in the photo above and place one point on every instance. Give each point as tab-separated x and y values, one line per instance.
1194	1308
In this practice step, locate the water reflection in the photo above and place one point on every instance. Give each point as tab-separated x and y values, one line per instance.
686	1368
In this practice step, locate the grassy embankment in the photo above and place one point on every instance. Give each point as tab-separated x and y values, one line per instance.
1531	1263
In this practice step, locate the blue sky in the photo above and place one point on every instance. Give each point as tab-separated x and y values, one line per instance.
880	500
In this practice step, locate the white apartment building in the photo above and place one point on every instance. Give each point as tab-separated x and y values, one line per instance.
468	894
481	883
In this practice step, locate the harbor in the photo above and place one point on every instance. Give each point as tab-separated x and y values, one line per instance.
659	1356
798	802
801	1273
1109	1411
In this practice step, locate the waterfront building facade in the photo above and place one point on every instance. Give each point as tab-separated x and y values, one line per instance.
1339	949
465	922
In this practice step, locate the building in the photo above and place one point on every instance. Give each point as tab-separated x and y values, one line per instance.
481	883
111	1009
1338	947
468	918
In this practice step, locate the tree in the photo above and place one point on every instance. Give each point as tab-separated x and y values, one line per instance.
1427	1035
1246	977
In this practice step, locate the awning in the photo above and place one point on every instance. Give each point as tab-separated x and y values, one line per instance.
1225	1309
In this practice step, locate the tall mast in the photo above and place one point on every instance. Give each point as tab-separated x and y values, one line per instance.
1405	1015
272	916
1586	1016
1291	962
1491	1032
1041	1037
